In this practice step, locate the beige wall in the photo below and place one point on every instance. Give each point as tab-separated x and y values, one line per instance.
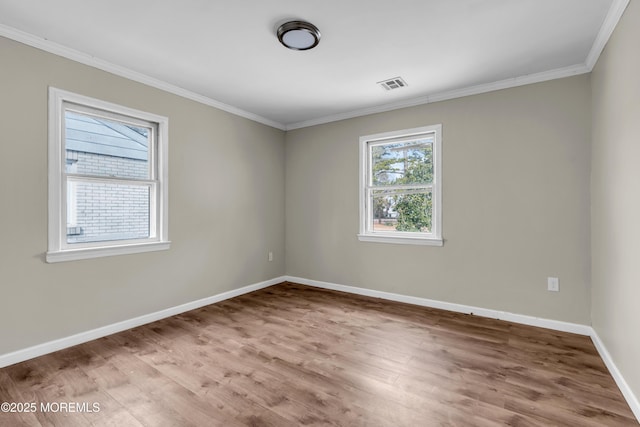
615	190
515	203
226	207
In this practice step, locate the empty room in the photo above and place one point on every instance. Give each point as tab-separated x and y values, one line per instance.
285	213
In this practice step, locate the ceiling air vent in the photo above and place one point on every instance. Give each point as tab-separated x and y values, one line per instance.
394	83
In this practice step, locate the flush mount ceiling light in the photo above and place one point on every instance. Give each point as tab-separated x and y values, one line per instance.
298	35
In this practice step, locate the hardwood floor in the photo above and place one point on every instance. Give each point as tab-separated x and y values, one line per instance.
292	355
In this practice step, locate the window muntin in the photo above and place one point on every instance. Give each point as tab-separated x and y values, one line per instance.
400	186
107	179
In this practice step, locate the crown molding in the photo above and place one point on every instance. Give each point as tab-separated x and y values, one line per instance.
608	26
558	73
610	22
92	61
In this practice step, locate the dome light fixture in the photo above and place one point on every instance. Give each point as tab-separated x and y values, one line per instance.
298	35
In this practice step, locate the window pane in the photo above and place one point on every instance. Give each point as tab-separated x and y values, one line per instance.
103	147
409	211
106	211
408	162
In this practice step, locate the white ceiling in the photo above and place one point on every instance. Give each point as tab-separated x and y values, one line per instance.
226	54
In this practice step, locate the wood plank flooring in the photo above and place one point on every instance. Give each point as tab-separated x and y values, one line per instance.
292	355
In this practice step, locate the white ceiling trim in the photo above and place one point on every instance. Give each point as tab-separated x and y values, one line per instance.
443	96
613	17
610	22
83	58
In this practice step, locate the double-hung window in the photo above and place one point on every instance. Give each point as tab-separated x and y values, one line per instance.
401	187
107	179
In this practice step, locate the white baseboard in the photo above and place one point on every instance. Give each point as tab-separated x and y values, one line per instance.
628	394
59	344
51	346
459	308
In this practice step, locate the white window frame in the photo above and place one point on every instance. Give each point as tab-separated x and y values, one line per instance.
58	248
367	233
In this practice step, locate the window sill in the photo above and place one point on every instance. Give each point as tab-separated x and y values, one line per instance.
86	253
401	240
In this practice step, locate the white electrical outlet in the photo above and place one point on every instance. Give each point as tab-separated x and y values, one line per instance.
270	256
553	284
